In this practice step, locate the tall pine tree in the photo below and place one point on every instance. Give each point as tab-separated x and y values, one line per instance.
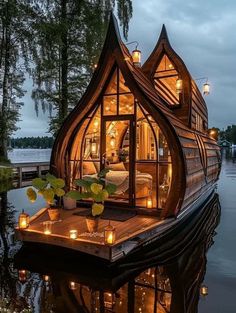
70	34
16	19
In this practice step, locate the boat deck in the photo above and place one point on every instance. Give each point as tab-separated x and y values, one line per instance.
129	233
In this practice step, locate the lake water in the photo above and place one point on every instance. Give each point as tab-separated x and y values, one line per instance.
172	286
29	155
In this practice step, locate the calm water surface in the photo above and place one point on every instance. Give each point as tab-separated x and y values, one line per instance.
160	285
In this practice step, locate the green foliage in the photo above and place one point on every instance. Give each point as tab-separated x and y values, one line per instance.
95	189
69	36
6	173
49	187
32	142
229	134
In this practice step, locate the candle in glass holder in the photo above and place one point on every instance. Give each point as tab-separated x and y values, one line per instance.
109	235
47	227
23	221
73	234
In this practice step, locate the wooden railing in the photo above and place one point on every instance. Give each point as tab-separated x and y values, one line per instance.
23	173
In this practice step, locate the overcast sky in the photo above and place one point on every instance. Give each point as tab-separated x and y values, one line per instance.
203	34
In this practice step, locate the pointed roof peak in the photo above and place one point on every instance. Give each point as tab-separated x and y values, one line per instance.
163	34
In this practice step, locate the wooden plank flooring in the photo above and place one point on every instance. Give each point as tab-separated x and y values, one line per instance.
86	242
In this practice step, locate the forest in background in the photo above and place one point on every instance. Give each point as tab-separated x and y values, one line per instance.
44	142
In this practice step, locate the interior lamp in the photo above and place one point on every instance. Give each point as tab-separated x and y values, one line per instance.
113	142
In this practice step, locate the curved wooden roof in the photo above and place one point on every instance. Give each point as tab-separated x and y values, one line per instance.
189	174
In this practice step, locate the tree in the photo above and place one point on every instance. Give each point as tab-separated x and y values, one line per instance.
15	19
70	35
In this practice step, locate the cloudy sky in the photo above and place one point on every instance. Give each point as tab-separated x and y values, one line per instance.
201	32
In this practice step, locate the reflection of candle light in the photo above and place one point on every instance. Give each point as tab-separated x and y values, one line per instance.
22	275
72	285
73	234
46	278
47	227
149	203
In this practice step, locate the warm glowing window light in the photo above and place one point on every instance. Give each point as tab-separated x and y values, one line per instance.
149	203
179	85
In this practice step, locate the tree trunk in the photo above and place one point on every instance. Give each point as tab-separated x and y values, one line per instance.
5	95
63	109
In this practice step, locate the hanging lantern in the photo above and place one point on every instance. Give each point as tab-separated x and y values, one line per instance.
113	142
73	234
206	88
136	55
149	203
93	146
23	220
204	290
179	85
109	235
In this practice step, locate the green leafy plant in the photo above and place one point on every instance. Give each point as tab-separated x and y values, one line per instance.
49	187
95	189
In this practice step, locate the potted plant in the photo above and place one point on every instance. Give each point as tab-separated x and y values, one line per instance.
51	188
98	191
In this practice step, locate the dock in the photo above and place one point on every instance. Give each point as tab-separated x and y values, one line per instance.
23	173
129	234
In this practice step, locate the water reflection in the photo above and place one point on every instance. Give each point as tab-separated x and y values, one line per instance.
160	279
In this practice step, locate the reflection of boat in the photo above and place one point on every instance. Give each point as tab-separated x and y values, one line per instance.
166	278
148	126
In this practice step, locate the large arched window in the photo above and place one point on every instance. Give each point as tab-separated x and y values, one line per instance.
119	134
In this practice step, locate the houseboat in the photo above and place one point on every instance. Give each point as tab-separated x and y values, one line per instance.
149	126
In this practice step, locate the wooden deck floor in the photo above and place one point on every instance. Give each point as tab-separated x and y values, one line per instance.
129	233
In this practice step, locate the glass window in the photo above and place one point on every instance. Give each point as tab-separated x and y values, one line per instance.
110	105
126	104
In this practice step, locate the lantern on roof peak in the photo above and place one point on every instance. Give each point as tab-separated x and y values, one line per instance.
136	54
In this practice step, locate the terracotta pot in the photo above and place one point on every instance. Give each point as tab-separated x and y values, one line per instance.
68	203
92	223
54	214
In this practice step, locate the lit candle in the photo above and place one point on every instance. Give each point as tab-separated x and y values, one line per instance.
23	221
47	227
73	234
149	203
109	235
